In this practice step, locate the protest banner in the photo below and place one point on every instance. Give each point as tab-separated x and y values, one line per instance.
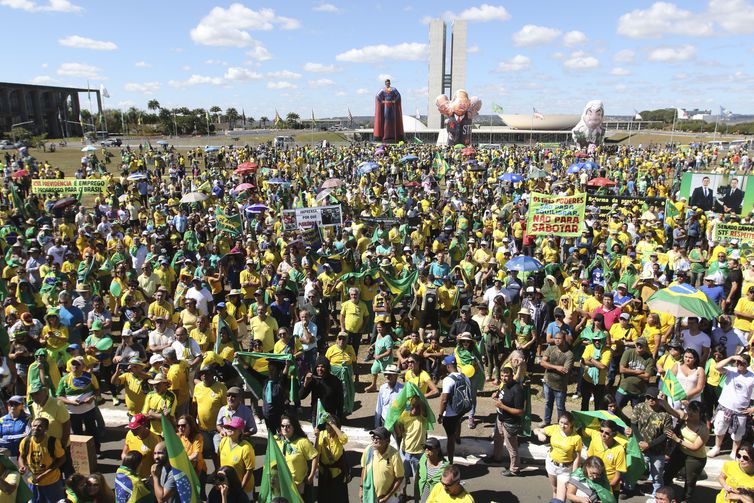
718	192
62	186
605	202
743	232
301	218
556	215
228	223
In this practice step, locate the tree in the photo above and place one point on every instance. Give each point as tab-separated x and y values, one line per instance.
216	111
153	105
250	121
263	121
232	115
291	120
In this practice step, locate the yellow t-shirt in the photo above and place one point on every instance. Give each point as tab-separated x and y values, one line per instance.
240	456
650	334
743	305
414	433
337	356
330	449
420	381
39	459
145	447
297	453
133	391
178	375
438	494
55	412
604	358
563	448
354	314
614	457
209	400
264	330
385	468
154	402
735	478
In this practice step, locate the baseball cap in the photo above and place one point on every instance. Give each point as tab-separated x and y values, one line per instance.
431	443
652	392
466	308
16	399
156	359
449	360
97	325
641	341
234	390
73	347
380	432
625	316
236	423
137	421
158	379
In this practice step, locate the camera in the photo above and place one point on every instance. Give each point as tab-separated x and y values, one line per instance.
217	479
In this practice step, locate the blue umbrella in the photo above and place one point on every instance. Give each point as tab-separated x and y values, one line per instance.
409	157
277	181
512	177
368	167
522	263
257	208
162	142
575	169
137	176
590	165
211	149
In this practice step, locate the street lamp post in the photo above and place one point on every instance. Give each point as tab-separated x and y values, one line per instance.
19	124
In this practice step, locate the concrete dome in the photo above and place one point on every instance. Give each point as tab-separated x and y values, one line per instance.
411	123
549	123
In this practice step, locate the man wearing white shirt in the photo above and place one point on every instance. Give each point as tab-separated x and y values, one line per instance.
727	336
695	339
733	406
306	331
201	295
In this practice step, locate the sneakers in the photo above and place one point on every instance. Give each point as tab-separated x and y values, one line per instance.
507	473
116	401
713	452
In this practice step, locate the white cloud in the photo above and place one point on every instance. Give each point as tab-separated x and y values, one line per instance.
580	60
79	70
341	93
283	74
516	63
87	43
44	65
51	6
473	49
321	83
238	73
44	80
484	12
326	7
196	80
670	54
186	68
143	87
142	64
662	19
361	91
230	27
734	16
259	53
624	56
409	51
558	55
532	34
320	68
280	84
620	72
573	38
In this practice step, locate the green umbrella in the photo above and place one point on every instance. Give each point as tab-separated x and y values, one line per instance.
683	300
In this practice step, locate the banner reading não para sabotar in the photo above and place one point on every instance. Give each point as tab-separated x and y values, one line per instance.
556	215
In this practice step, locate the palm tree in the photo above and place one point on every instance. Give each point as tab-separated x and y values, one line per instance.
153	105
232	115
216	112
291	120
264	120
250	121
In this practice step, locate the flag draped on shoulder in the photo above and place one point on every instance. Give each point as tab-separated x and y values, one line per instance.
409	392
440	166
128	488
186	482
276	477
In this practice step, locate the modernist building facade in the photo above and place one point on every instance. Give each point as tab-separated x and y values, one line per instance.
43	109
445	77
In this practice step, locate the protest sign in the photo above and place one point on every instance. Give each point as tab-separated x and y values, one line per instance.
556	215
605	202
743	232
301	218
63	186
228	223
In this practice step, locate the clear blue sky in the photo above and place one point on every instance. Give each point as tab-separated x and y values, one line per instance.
329	56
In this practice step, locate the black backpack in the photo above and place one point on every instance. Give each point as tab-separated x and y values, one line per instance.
462	398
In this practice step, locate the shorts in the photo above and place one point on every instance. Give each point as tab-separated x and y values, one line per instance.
556	470
735	424
452	426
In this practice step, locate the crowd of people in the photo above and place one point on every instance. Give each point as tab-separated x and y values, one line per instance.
180	292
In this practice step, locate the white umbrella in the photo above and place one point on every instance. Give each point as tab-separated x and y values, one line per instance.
89	148
137	176
194	197
323	195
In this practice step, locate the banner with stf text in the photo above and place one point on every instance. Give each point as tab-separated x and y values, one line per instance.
744	233
67	186
556	215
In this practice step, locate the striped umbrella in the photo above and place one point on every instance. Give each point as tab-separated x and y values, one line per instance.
683	300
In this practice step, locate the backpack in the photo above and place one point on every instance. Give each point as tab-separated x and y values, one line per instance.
430	299
462	399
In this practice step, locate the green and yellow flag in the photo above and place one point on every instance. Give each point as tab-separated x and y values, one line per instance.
440	166
276	477
230	224
128	488
671	211
672	388
186	482
408	392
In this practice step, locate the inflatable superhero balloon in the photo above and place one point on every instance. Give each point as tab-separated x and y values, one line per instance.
460	113
589	130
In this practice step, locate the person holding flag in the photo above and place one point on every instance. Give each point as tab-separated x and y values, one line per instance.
129	487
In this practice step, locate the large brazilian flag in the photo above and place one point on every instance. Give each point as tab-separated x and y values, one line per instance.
186	482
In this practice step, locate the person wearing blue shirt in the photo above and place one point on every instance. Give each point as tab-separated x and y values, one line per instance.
715	293
15	425
621	295
559	325
439	269
388	393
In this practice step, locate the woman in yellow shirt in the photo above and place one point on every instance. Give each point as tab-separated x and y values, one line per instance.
736	475
193	443
419	377
565	449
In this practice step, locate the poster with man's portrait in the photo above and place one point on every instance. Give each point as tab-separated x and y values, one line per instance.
721	193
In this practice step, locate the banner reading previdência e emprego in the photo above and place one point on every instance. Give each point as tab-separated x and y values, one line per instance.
742	232
556	215
67	186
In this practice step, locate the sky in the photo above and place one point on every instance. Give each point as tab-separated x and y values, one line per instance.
328	57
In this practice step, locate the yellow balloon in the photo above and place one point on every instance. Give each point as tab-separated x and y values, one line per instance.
468	370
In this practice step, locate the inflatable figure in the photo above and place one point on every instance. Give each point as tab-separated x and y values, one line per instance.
388	115
589	130
460	113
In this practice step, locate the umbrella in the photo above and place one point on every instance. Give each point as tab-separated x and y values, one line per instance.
64	203
162	142
324	194
648	215
575	169
600	182
89	148
535	172
332	183
243	187
590	165
247	165
379	151
242	171
468	151
459	146
409	157
512	178
20	173
412	184
368	167
522	263
683	300
211	149
257	208
194	197
277	181
137	176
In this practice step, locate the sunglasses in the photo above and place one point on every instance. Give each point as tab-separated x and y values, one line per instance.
606	432
743	457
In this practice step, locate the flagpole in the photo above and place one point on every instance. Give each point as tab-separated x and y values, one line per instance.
629	129
672	132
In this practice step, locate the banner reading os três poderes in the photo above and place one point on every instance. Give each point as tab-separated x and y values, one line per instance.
556	215
322	216
67	186
742	232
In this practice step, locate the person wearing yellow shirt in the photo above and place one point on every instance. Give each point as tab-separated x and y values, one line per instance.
595	360
208	398
353	319
383	467
132	381
565	449
263	328
250	280
159	402
602	443
744	312
238	453
178	376
449	490
42	456
299	452
142	440
160	308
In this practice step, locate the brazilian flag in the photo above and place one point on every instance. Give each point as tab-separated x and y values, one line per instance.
409	392
128	488
253	381
672	388
276	477
186	482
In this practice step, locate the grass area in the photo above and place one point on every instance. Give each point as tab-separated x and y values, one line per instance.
663	137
